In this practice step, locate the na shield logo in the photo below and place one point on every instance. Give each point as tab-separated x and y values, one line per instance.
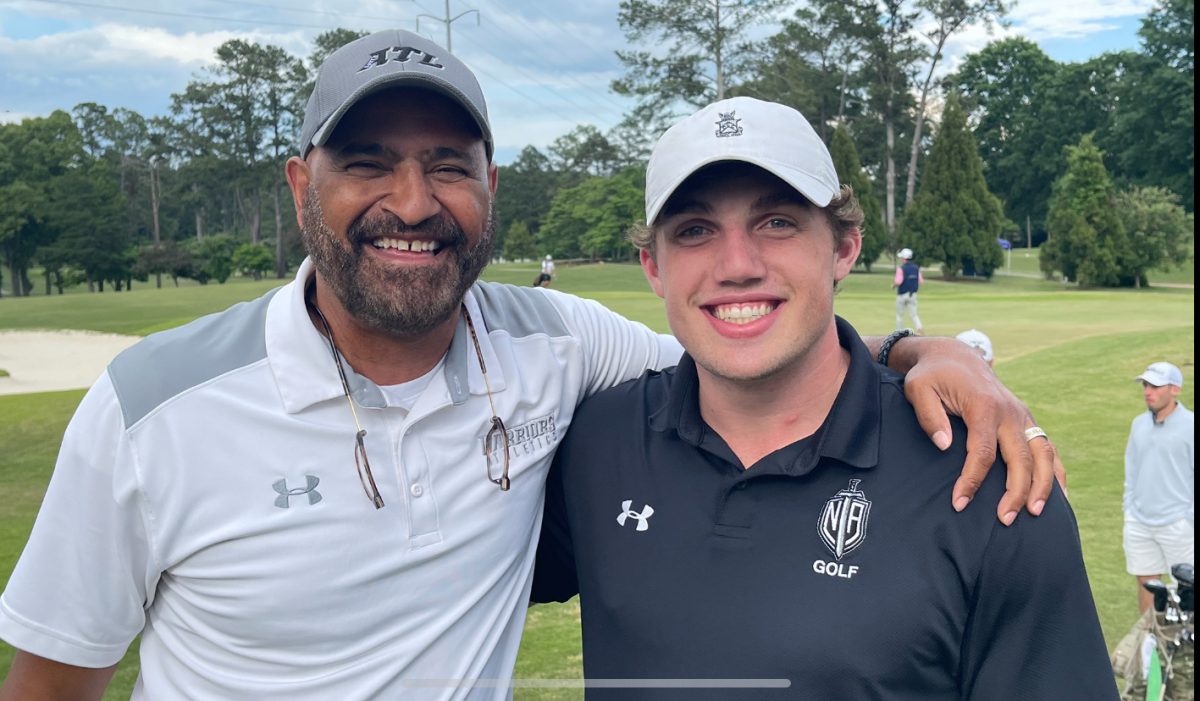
843	522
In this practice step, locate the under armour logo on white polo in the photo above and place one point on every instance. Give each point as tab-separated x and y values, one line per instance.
643	518
284	499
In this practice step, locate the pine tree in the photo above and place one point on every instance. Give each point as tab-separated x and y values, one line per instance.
519	243
954	219
850	172
1088	243
1159	231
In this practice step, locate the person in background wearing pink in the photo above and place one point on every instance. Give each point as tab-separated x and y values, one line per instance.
908	280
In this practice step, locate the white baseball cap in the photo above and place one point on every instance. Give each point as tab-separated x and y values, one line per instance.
1159	374
977	339
772	136
905	253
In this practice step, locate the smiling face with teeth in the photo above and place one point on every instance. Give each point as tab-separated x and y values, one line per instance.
396	211
747	267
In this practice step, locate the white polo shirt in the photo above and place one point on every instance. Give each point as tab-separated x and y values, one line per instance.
206	497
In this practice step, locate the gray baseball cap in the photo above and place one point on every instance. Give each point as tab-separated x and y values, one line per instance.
383	60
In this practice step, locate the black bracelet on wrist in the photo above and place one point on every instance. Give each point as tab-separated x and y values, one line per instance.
885	349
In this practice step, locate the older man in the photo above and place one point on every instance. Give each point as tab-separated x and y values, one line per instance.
335	491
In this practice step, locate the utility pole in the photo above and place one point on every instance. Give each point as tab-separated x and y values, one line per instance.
447	20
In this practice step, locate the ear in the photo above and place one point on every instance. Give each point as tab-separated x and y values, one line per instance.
298	177
846	254
650	267
493	178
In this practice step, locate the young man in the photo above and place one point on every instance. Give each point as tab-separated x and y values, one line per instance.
906	283
335	491
762	521
1160	481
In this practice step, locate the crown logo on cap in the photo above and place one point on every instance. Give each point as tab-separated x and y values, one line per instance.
728	124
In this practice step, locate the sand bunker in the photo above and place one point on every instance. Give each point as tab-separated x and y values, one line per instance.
46	361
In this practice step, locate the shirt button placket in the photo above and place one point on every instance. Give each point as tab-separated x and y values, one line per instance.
422	507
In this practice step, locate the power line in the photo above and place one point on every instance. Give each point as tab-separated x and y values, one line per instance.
590	91
184	15
595	97
283	8
259	22
448	20
533	100
238	3
564	96
532	28
532	79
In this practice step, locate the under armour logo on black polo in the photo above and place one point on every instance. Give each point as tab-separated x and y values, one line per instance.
643	518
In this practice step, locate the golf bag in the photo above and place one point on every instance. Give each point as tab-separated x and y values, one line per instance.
1128	659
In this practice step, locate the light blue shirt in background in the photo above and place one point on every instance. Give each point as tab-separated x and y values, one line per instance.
1160	468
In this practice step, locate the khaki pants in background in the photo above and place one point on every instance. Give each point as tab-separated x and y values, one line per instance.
907	302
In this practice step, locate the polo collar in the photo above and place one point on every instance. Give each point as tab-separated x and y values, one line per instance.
305	373
850	433
1170	417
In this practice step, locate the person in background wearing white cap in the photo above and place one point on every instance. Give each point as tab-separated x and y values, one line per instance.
906	283
1160	486
980	342
759	522
547	274
334	492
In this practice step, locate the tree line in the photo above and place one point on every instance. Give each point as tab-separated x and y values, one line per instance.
1095	158
104	196
1010	121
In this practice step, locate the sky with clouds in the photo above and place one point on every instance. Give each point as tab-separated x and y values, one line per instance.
544	66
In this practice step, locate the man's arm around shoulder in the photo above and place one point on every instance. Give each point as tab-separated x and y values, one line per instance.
33	678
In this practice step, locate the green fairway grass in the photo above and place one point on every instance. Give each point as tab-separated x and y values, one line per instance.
1022	261
1025	262
1070	354
137	312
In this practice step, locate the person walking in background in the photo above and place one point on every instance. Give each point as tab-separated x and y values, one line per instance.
547	274
980	342
1160	487
908	280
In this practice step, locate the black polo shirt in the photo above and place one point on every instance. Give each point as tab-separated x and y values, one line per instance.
835	563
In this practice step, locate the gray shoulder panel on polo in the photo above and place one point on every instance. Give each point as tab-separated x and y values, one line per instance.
165	364
520	311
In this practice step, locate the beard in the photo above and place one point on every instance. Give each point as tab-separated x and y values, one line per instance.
397	300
